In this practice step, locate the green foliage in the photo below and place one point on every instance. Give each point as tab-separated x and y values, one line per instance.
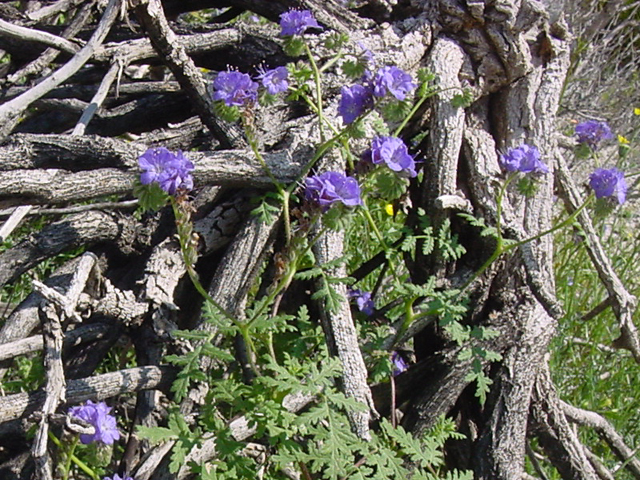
395	111
462	100
353	69
227	113
151	197
336	40
269	207
294	46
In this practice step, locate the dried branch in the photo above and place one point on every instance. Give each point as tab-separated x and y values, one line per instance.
11	111
99	97
54	388
81	334
99	387
188	75
609	434
32	35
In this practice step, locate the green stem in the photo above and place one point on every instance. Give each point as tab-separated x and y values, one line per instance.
562	224
263	164
67	466
499	239
83	466
192	274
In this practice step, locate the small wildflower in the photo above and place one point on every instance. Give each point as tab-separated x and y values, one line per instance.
394	81
118	477
609	183
330	187
593	132
389	209
296	22
623	140
636	111
393	152
355	100
525	159
275	80
398	363
170	170
234	88
364	302
97	415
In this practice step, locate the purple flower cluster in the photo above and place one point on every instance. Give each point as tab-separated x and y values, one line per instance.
525	159
593	132
398	363
331	187
392	80
609	183
275	80
235	88
363	300
296	22
170	170
358	98
97	415
354	101
393	152
118	477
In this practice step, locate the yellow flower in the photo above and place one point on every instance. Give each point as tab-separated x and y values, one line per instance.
389	209
636	111
623	140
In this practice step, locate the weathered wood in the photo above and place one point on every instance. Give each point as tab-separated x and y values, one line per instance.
99	387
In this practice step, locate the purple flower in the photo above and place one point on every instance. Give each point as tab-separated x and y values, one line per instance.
296	22
275	81
524	158
393	152
118	477
398	363
394	81
593	132
234	88
609	183
353	102
330	187
170	170
97	415
363	300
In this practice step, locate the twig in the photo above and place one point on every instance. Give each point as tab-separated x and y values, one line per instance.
98	98
51	10
32	35
607	432
46	57
11	111
13	221
76	209
55	387
83	334
98	387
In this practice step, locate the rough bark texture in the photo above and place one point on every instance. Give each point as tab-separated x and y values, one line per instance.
90	103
